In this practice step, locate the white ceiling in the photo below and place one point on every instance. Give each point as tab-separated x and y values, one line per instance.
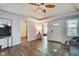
25	9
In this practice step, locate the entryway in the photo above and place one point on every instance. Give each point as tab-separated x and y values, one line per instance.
45	31
24	27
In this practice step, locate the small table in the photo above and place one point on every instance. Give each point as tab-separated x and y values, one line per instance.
66	45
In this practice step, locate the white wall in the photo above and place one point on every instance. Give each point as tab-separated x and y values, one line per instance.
33	29
58	33
16	25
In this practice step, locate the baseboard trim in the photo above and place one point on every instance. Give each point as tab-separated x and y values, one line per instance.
55	41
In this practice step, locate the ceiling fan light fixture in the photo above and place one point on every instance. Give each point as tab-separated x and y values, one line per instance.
44	10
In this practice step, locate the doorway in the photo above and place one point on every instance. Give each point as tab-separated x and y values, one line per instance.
45	30
24	34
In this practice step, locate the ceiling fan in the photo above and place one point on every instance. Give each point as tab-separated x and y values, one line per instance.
49	5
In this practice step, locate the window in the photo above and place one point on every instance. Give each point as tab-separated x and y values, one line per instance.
72	27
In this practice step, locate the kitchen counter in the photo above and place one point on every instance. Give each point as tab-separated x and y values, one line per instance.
4	37
6	41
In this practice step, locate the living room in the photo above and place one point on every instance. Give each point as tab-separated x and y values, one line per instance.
49	28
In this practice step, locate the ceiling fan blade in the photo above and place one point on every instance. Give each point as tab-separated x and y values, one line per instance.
34	4
49	6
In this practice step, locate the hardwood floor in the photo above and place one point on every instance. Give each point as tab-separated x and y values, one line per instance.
34	48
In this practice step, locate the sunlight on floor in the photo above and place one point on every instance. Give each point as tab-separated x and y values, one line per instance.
45	42
45	39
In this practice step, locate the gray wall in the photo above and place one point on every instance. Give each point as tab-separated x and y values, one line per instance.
59	32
